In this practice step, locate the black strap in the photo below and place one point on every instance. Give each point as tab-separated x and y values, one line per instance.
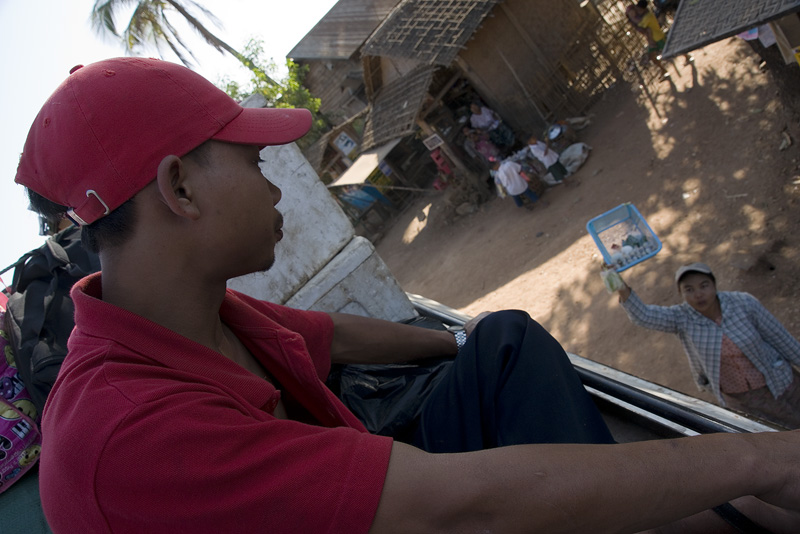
738	520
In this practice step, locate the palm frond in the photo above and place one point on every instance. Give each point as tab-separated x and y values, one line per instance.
200	28
207	14
102	15
149	25
174	41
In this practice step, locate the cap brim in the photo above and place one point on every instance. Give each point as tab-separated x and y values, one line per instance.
266	126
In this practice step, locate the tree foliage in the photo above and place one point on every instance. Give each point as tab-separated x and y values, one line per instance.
289	92
150	25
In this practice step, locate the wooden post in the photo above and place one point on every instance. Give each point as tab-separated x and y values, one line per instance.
436	100
524	89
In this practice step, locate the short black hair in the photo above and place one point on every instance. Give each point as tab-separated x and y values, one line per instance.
106	232
642	4
113	229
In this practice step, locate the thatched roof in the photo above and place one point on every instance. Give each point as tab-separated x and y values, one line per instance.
340	33
428	31
395	108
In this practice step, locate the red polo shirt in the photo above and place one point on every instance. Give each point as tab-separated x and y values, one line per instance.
147	431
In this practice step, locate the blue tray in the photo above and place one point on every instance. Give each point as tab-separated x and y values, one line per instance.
623	225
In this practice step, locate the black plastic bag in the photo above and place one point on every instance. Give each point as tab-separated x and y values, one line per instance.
387	398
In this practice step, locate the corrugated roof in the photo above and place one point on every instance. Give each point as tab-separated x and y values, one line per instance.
429	31
362	167
342	30
395	108
698	24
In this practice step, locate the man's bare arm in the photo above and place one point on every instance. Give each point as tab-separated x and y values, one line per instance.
365	340
584	488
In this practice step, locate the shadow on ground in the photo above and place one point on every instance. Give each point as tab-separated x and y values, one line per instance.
705	170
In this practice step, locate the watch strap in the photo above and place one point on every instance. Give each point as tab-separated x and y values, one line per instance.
461	338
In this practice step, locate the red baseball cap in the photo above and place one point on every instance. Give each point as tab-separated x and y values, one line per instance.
99	138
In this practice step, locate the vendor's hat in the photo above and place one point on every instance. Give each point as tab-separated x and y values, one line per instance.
99	138
696	267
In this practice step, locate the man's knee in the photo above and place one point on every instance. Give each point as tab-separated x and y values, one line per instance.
510	321
515	331
505	319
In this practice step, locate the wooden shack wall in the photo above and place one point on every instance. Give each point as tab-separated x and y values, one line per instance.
538	60
333	88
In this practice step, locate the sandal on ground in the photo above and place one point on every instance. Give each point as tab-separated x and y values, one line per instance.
739	521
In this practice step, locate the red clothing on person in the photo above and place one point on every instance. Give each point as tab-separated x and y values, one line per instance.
737	373
148	431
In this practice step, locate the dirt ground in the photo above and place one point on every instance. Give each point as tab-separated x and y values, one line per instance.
703	166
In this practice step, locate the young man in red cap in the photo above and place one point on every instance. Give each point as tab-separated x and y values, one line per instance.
187	407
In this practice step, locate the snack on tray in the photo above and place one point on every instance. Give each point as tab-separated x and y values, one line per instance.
623	237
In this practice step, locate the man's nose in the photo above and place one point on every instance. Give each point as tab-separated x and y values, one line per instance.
276	193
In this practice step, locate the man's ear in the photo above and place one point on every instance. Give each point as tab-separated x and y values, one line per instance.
175	187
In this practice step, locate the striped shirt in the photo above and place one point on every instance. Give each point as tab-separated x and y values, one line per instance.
757	333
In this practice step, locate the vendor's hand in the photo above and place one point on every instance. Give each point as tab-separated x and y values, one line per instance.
470	325
624	292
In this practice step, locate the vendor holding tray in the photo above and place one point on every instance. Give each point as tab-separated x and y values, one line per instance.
736	348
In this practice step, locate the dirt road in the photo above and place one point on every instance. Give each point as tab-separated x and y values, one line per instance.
705	169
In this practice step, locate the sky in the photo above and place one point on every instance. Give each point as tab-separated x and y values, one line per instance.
40	41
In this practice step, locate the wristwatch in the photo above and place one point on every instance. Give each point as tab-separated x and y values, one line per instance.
461	338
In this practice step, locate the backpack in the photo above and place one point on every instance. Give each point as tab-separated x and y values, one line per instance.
40	313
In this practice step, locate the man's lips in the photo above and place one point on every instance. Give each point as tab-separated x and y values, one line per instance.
279	227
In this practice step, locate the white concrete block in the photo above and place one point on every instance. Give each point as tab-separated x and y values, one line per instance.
315	229
356	281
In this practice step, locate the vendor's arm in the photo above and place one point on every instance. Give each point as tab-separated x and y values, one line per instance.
774	332
584	488
663	318
359	339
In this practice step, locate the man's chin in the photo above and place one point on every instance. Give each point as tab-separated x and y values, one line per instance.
268	267
259	270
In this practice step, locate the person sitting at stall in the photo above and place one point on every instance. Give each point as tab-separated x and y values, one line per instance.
549	158
736	348
478	145
485	119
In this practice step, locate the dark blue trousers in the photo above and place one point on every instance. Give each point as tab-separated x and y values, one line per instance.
511	384
533	197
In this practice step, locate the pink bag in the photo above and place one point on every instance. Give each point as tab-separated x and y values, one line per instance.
20	439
